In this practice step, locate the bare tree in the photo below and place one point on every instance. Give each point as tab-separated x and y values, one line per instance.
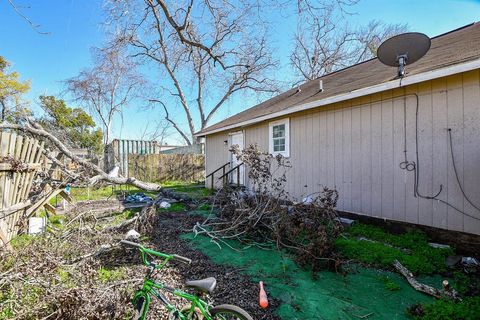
35	27
108	87
323	43
206	52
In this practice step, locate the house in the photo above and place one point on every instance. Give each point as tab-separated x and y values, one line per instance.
357	133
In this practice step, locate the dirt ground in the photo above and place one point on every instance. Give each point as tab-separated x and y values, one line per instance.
232	286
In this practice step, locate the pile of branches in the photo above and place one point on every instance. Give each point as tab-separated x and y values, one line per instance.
76	271
265	214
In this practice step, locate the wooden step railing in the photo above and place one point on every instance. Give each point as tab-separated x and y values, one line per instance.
216	170
224	177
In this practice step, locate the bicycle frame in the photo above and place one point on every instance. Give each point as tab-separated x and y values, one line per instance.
150	288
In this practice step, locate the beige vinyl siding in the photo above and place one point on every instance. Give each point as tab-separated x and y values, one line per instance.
357	146
216	155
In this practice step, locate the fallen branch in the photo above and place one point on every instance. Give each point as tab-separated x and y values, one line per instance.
103	249
37	130
451	293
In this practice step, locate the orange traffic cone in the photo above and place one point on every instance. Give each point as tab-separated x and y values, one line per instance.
263	301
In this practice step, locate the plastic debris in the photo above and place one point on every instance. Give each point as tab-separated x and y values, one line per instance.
165	205
438	245
346	222
263	299
115	172
37	225
132	234
470	262
308	199
138	197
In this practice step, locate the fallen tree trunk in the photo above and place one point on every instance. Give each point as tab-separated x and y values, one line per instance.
100	175
451	293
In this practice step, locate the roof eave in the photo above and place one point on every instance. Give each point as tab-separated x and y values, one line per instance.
396	83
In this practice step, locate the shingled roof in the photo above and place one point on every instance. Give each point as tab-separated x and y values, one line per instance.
455	47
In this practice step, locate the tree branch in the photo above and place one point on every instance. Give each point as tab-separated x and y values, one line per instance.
36	129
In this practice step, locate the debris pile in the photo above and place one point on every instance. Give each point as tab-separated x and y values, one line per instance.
78	270
265	215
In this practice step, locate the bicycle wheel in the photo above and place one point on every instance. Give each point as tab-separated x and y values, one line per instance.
229	312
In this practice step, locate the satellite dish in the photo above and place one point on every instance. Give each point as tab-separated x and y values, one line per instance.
403	49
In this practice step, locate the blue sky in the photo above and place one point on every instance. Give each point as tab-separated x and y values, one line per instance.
74	27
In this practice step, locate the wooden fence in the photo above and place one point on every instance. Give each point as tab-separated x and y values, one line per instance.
163	167
20	159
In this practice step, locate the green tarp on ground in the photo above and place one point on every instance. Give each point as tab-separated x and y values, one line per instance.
363	293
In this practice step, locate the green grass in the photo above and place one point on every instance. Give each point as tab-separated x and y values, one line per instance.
390	284
82	194
418	257
193	190
467	309
204	207
175	207
22	241
106	275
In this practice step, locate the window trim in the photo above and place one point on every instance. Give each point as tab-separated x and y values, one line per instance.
286	122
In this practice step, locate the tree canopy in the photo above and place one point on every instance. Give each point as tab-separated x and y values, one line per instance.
11	92
73	124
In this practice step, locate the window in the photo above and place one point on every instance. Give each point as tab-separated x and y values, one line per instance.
279	137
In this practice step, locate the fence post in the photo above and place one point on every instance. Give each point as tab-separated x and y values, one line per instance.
238	176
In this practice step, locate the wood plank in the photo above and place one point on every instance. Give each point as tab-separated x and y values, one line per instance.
16	175
30	175
27	166
10	181
4	139
14	208
41	202
66	196
50	208
5	241
25	158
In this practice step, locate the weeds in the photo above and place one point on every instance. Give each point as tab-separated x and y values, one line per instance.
411	249
175	207
468	309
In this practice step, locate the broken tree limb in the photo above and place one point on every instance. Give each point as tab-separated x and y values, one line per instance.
451	294
103	249
37	130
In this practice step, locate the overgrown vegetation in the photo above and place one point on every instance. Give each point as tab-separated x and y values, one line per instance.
374	246
265	216
193	190
467	309
175	207
82	194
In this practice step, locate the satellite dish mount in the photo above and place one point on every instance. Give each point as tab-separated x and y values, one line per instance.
400	49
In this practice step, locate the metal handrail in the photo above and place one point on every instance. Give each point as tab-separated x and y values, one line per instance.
218	169
237	167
